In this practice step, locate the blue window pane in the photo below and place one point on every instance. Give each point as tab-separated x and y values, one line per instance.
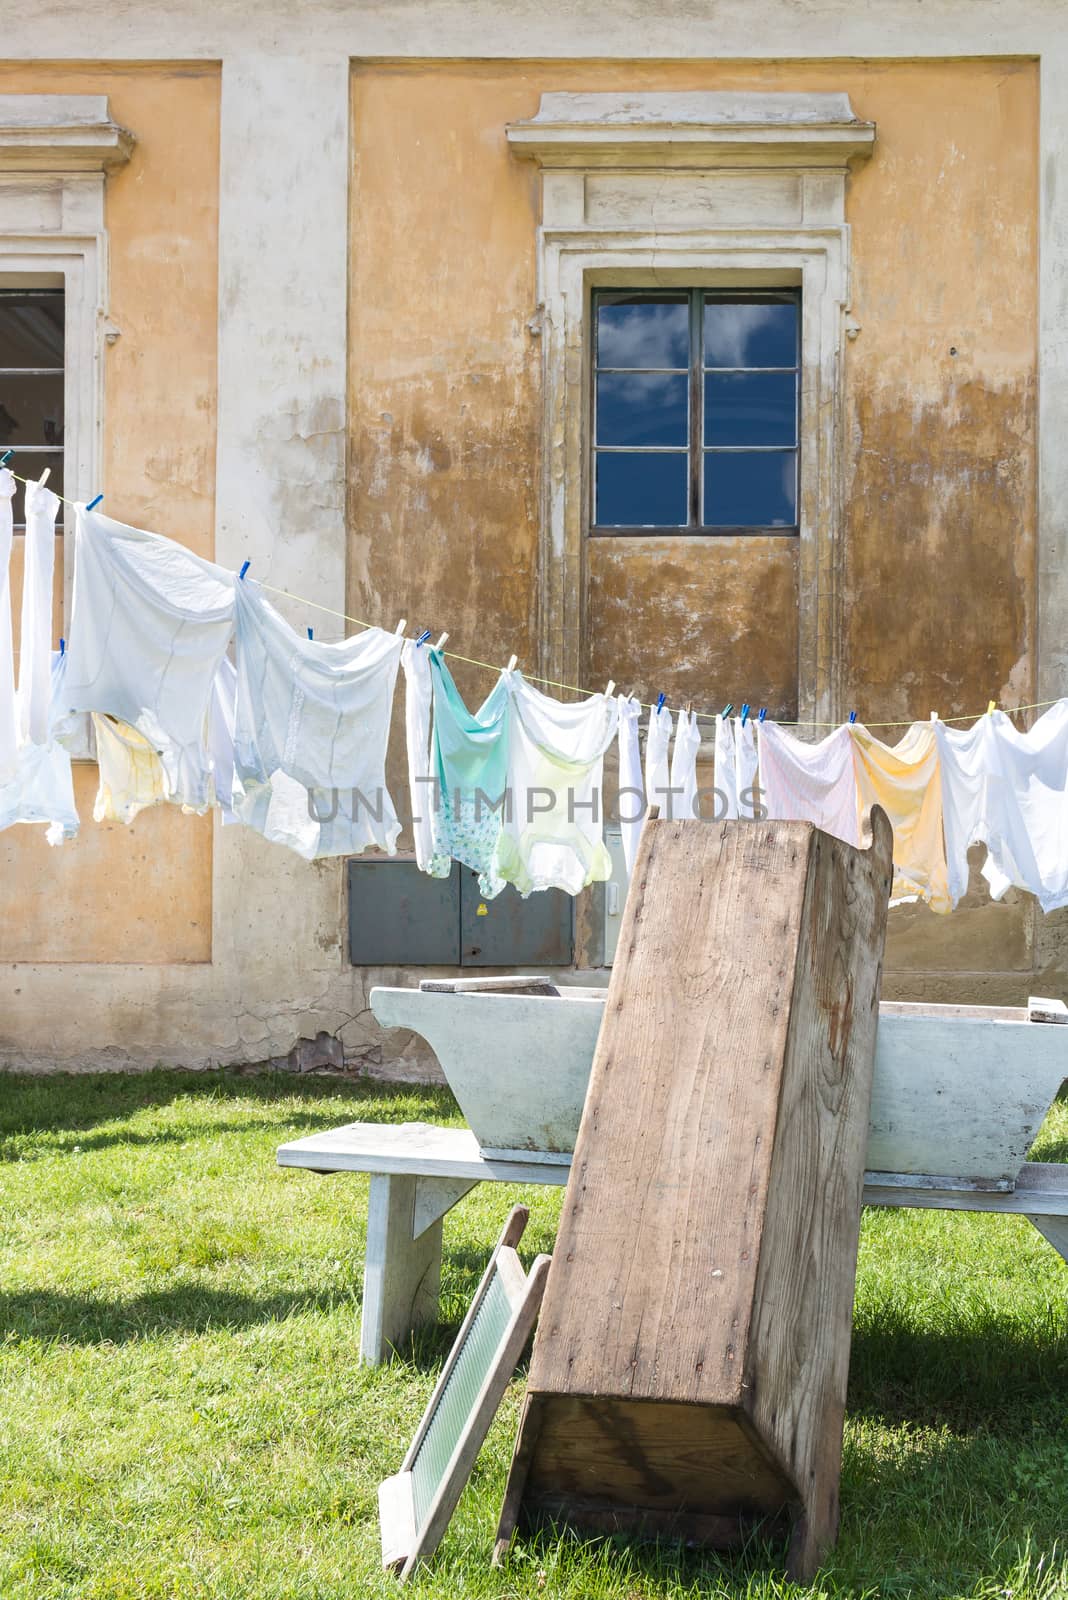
750	408
752	489
642	408
751	335
643	333
641	491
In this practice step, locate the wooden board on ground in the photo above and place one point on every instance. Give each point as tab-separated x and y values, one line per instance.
689	1371
414	1506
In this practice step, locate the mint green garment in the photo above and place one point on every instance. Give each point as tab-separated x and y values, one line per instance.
469	760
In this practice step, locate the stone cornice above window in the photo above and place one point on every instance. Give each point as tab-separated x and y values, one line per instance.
698	130
60	133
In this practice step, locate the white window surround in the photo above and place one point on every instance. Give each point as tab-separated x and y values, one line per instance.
55	152
684	191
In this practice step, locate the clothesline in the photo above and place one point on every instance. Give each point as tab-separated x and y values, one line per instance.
571	688
290	740
701	716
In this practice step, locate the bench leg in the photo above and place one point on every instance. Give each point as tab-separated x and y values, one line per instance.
402	1267
1055	1229
401	1275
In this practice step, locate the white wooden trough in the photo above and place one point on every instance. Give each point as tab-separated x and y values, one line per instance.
960	1091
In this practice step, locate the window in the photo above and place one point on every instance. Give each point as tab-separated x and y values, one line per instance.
32	381
696	398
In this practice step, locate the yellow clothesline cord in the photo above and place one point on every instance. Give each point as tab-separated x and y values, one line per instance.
572	688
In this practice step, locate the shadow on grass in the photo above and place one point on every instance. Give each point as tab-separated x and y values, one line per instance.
966	1377
72	1102
48	1316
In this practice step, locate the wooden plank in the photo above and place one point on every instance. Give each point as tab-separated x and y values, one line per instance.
798	1354
453	1152
408	1149
714	1196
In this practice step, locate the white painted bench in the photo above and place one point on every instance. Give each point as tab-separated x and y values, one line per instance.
419	1172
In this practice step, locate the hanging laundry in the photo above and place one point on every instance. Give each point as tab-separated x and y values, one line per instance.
282	812
422	797
221	715
34	698
43	789
150	623
810	782
8	719
469	762
906	781
1009	791
746	764
682	801
657	770
631	801
552	836
726	770
319	714
131	773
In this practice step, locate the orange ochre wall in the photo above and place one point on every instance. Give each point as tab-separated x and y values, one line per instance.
140	893
939	428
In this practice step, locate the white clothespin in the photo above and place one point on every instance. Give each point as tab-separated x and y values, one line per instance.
610	688
441	642
401	625
511	663
43	479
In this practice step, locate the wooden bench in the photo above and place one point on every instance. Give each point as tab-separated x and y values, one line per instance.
419	1172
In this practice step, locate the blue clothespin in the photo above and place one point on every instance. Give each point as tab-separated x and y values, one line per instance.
63	647
423	637
5	458
727	709
311	633
244	568
745	713
659	702
762	713
852	718
94	503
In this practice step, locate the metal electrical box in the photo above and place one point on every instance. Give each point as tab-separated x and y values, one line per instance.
401	917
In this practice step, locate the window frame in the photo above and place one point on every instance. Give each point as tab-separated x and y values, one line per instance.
696	449
54	289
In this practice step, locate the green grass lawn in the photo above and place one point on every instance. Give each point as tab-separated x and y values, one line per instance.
182	1414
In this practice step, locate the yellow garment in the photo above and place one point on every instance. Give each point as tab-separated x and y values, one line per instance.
131	773
906	780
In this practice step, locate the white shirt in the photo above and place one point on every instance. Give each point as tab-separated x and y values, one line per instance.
657	772
682	802
1009	791
319	714
8	719
150	623
631	805
35	635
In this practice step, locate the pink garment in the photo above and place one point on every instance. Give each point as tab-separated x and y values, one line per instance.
810	782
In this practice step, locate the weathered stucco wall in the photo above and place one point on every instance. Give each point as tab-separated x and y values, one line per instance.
940	392
937	563
141	893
